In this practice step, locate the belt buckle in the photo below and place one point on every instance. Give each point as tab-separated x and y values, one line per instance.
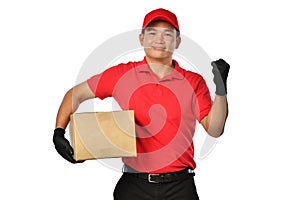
149	178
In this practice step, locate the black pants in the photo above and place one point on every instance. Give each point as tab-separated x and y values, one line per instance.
133	188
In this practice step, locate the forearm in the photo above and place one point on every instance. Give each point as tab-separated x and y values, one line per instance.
71	101
68	106
217	116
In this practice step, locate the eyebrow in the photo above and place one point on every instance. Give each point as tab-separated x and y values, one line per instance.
150	29
154	29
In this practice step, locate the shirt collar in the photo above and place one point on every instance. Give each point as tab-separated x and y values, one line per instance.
176	74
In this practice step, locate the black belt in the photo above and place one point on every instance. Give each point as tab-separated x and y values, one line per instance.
163	178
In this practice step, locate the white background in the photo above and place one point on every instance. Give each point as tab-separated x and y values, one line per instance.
43	45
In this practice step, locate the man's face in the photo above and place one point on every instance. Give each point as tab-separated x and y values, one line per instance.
159	40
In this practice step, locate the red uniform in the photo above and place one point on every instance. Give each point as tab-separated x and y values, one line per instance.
165	110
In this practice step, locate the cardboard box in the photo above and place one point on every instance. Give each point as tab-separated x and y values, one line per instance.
97	135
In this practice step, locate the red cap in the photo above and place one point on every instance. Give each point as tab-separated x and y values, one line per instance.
161	14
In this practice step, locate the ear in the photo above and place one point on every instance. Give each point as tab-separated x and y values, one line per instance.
178	41
141	38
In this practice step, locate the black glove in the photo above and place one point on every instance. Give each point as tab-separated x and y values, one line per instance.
63	146
220	71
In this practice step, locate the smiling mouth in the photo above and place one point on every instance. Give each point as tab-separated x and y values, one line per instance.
159	48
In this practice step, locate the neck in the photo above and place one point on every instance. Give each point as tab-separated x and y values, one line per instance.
160	67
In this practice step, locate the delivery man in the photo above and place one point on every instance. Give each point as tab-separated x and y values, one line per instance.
167	101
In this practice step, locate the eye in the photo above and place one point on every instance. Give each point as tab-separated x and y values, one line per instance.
168	34
151	33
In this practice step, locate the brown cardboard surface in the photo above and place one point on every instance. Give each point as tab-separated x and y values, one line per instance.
97	135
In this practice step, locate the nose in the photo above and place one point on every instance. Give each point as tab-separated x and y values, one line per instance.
159	38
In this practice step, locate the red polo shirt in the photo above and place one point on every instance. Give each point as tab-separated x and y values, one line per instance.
165	111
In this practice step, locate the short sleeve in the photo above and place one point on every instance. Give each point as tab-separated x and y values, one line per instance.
103	84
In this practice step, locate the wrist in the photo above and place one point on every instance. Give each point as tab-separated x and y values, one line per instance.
221	89
221	94
59	131
220	97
